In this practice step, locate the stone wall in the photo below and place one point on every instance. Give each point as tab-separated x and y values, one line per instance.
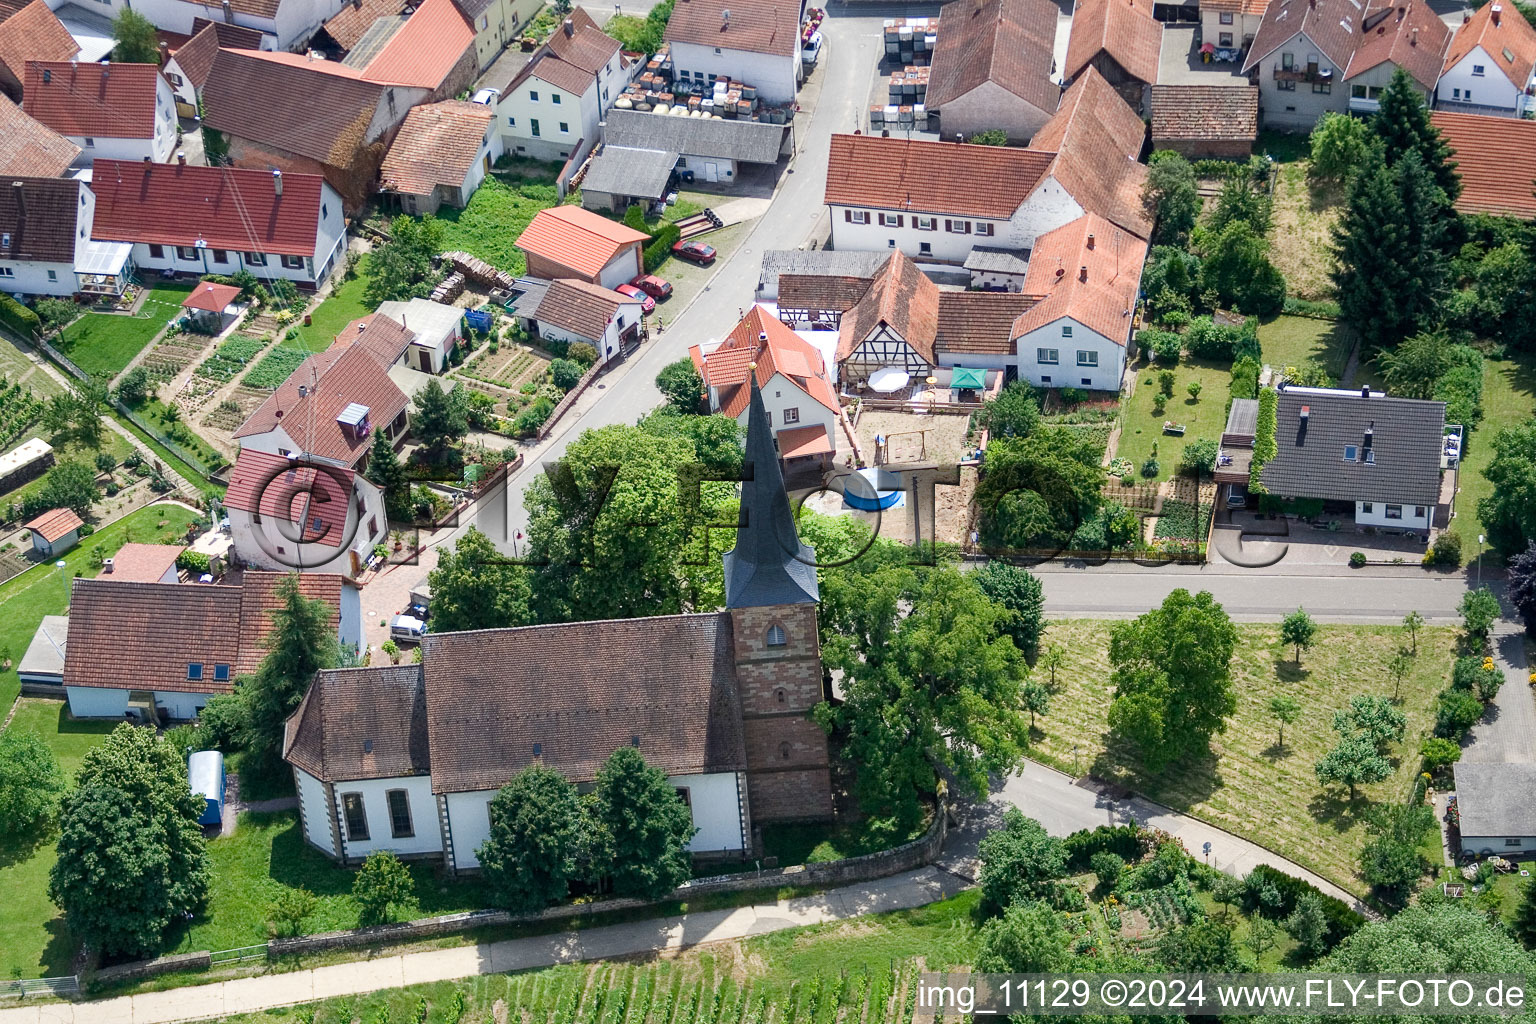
140	969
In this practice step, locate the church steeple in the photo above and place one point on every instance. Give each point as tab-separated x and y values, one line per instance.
769	565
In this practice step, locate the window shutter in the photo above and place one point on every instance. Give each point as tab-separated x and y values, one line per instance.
967	226
948	224
848	216
900	220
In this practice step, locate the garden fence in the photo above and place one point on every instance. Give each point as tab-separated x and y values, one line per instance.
69	985
238	954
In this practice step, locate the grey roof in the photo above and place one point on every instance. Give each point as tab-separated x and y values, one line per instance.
1495	799
45	654
527	293
374	40
430	321
824	262
769	564
752	142
1406	435
361	723
1243	417
998	261
624	171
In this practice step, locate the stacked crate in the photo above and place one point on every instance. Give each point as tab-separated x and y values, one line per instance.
910	40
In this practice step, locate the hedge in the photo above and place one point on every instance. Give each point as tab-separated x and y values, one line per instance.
19	318
1122	840
1315	310
660	246
1245	378
1343	921
1264	445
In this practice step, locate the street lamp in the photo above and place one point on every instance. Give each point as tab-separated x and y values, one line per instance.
1480	540
65	577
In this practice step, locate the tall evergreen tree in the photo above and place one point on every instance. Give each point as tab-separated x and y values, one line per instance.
385	472
1403	125
647	824
302	642
534	846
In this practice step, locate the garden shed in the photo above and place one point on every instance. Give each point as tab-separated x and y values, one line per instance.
205	775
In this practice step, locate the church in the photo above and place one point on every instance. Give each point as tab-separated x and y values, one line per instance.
407	758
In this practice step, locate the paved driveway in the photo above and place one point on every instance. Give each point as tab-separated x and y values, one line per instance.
1507	732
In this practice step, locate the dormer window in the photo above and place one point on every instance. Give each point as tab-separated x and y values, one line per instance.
776	636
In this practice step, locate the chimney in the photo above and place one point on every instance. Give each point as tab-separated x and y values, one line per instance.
1061	272
181	158
19	191
229	13
1090	241
1082	273
1365	391
147	160
277	182
107	565
1413	39
1370	432
1466	18
165	51
1493	13
1306	413
569	27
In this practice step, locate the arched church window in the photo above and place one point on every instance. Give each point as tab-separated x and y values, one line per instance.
776	636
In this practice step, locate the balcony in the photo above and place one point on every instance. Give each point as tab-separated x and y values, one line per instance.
1310	73
1362	105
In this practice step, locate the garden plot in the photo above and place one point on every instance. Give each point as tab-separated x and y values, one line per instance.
232	357
173	355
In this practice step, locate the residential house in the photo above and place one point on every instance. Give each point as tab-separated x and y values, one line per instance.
217	220
1489	63
32	150
143	563
1486	150
159	651
1494	809
992	68
798	397
1203	121
440	155
893	324
32	33
408	758
567	241
54	532
45	233
781	264
284	24
434	330
297	496
111	111
919	196
1121	40
709	150
756	42
552	107
1231	24
573	311
1314	56
1084	278
433	48
188	66
1360	451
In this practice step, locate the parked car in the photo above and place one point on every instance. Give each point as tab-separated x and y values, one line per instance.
694	252
810	52
487	97
646	302
653	286
408	628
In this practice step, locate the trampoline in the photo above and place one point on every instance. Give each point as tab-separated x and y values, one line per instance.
871	490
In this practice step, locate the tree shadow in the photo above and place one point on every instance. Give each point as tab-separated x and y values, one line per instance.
1276	751
1335	810
15	849
59	952
1290	671
1194	777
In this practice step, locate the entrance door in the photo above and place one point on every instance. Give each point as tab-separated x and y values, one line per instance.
711	171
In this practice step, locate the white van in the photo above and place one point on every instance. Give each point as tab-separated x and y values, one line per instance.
407	627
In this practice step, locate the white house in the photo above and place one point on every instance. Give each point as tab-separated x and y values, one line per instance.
111	111
284	24
1488	67
1231	24
756	42
45	232
216	220
572	311
1494	808
552	107
163	649
1362	451
440	155
1085	159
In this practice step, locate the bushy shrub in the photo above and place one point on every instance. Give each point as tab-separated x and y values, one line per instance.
1107	866
566	373
1245	378
1150	468
1446	550
1342	921
1457	711
1124	841
1164	345
1207	339
194	562
1357	560
18	317
583	353
660	246
1199	455
528	422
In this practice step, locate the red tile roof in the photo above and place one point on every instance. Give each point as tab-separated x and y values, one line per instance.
426	49
33	33
32	150
1249	7
1329	24
1008	42
1205	112
1124	29
278	488
332	380
979	322
1098	139
142	563
798	442
357	17
211	297
581	307
1486	150
54	523
437	144
1509	41
384	338
577	238
40	219
225	207
1105	301
1410	36
267	98
112	101
757	26
932	177
782	351
360	723
900	296
259	599
195	56
571	62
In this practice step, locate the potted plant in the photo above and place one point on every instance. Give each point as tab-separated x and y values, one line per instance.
399	541
392	649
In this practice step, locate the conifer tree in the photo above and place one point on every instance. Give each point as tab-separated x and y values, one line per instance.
1403	125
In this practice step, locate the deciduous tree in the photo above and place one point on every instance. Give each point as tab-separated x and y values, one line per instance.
1413	369
1413	622
1026	939
30	786
1298	631
1018	862
382	887
1013	413
1479	611
1375	718
647	824
1525	914
402	268
1019	592
1170	198
1520	585
474	586
133	39
1308	923
535	844
1036	698
1353	762
1398	668
1510	512
1338	145
681	385
1286	710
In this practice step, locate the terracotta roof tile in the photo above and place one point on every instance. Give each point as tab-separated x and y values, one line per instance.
757	26
1205	112
210	297
259	599
1098	139
39	217
934	177
1355	40
580	691
901	296
317	499
588	47
33	33
1104	302
580	307
32	150
361	723
821	291
1124	29
386	338
425	51
357	16
1509	41
783	352
112	101
225	207
195	56
1008	42
1253	8
798	442
577	238
979	322
257	97
437	144
1485	149
142	563
1411	37
54	523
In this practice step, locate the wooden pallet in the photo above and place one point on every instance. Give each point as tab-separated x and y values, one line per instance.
698	224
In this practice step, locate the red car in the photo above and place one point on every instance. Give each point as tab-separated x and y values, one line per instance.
695	252
653	286
646	302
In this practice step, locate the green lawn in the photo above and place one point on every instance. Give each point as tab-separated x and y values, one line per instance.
1301	231
266	854
495	216
1249	787
39	591
1142	428
14	365
102	344
1509	398
811	843
69	449
163	453
1293	340
341	307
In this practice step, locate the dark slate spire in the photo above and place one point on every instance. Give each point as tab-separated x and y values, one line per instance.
763	568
